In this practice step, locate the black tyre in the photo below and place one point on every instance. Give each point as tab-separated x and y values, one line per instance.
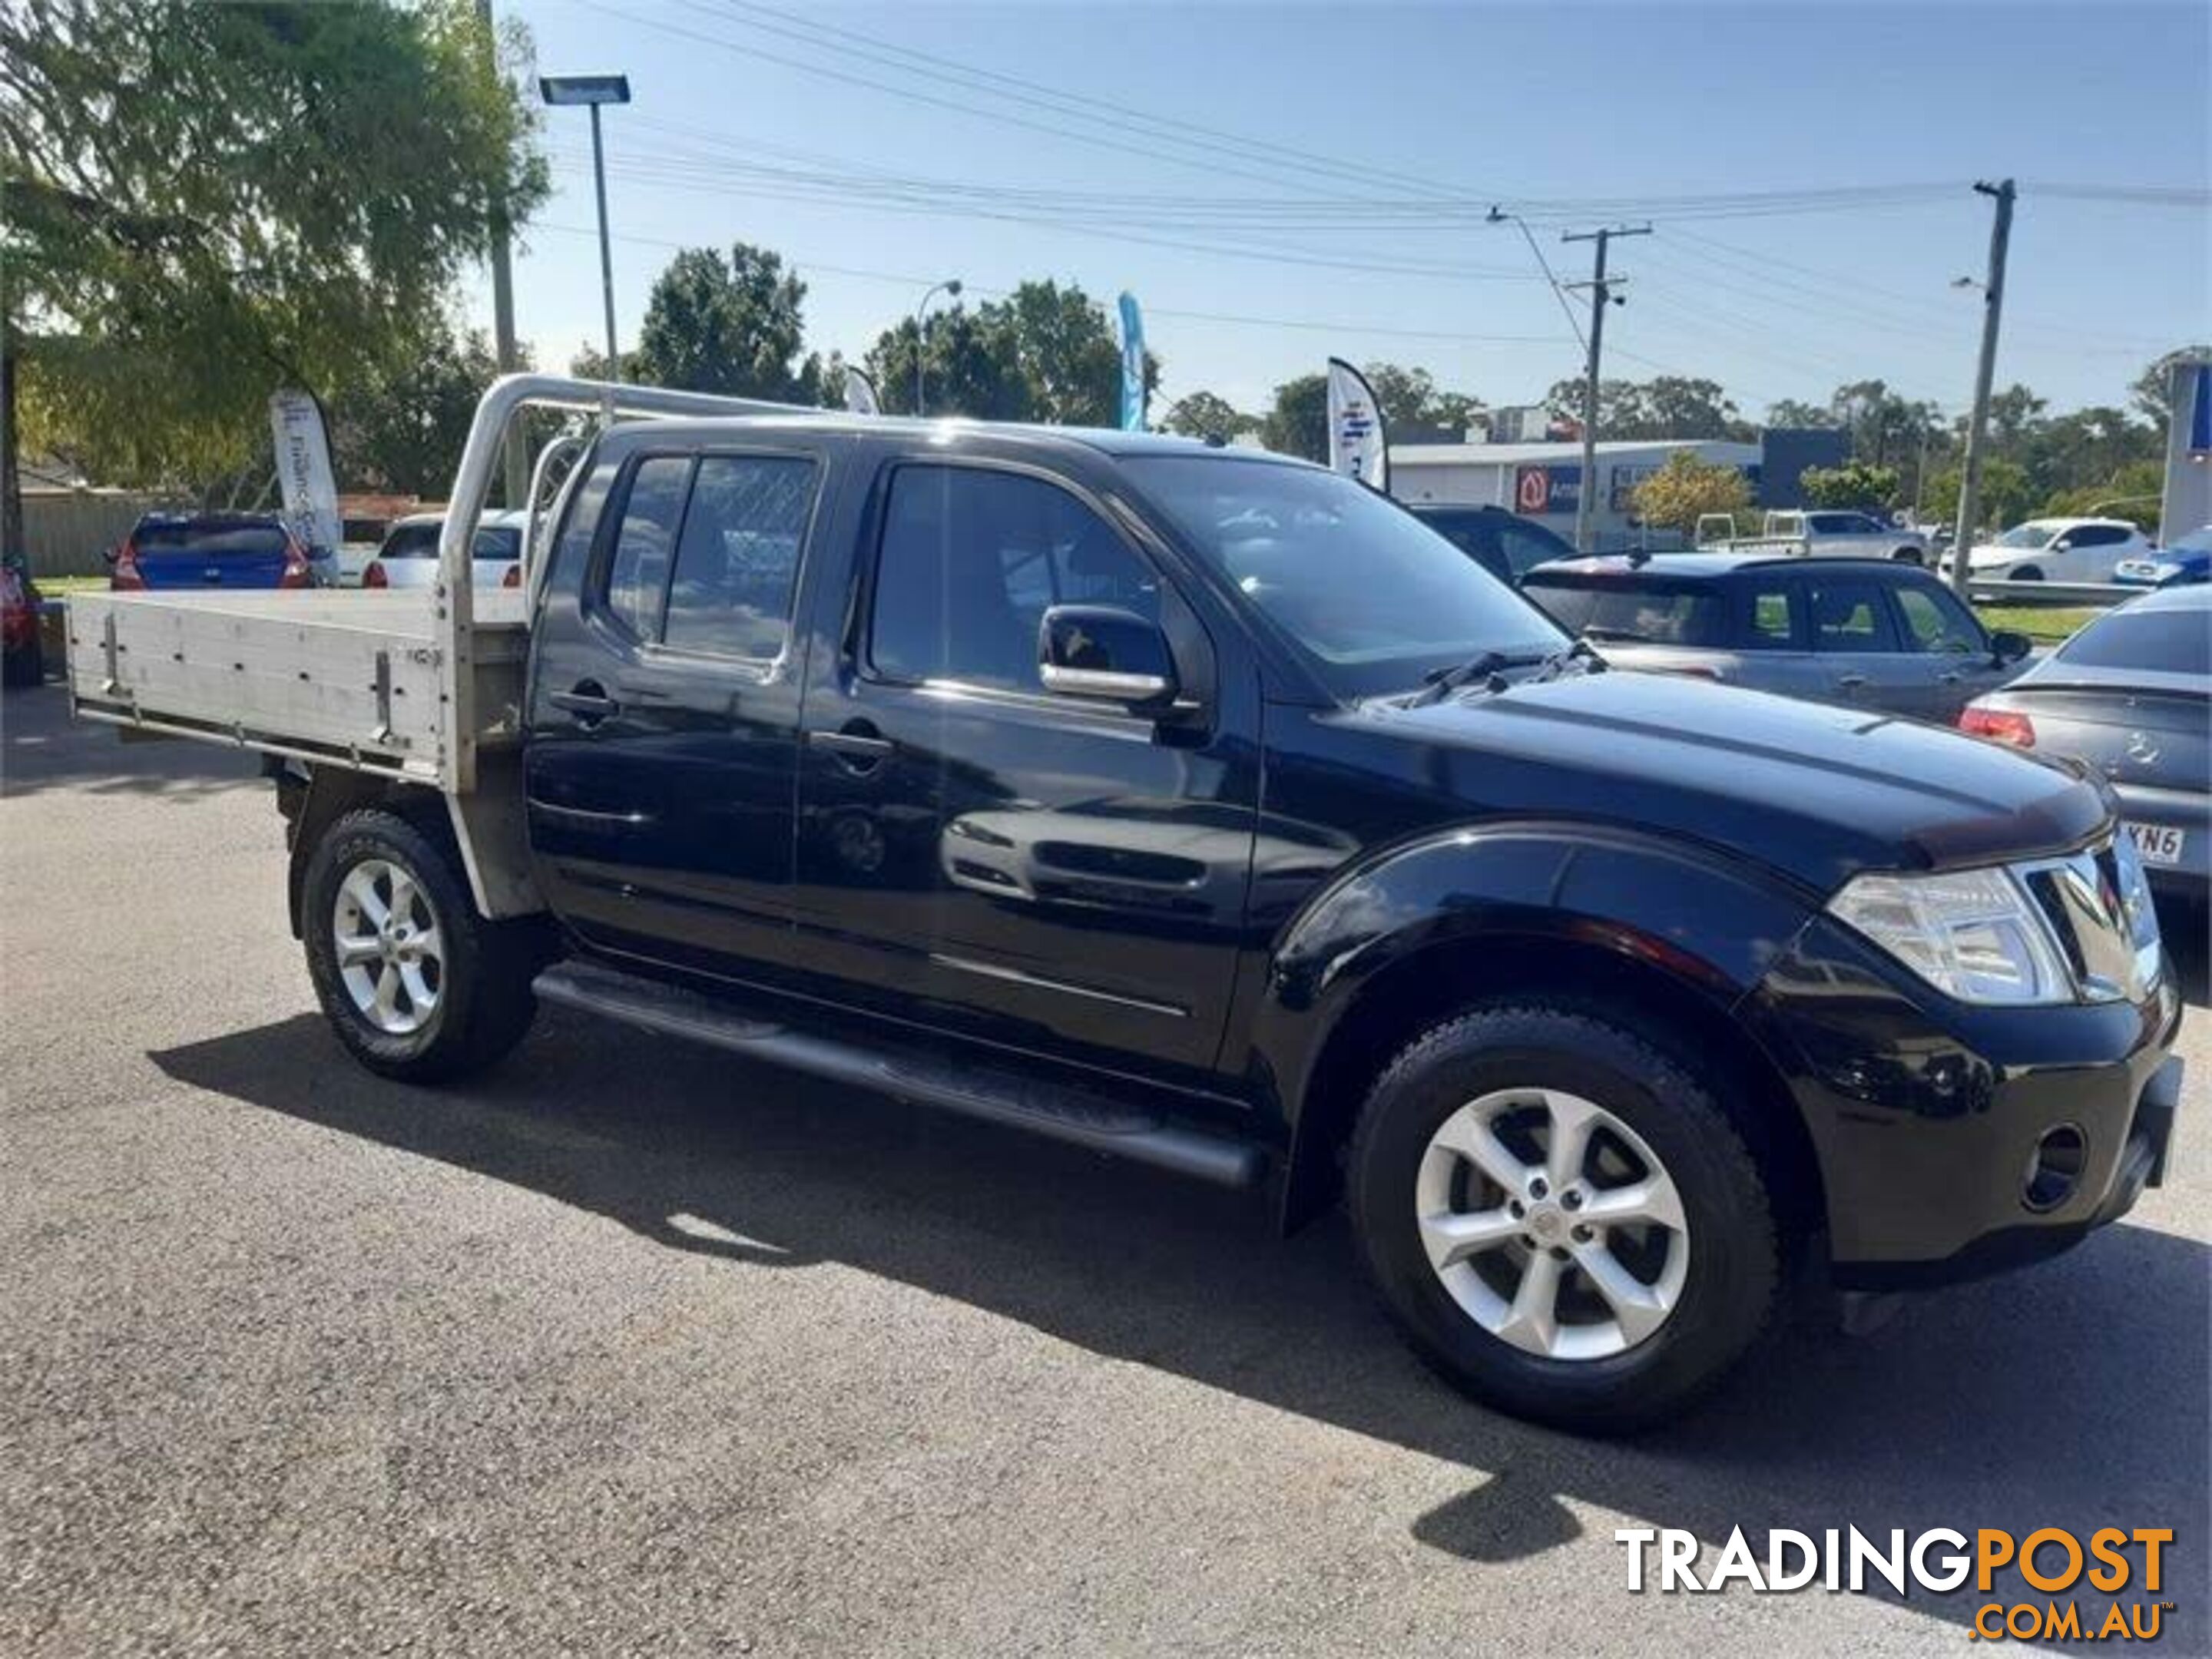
24	667
1909	555
1562	1217
414	981
2028	573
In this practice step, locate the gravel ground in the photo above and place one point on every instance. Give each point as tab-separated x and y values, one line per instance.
632	1349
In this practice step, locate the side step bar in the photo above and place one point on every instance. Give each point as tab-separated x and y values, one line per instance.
1059	1111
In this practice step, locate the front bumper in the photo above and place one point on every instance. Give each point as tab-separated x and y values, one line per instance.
1928	1117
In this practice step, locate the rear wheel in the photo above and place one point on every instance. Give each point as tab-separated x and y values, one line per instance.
416	984
1562	1217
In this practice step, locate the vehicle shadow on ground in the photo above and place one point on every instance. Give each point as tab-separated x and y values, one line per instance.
41	748
2072	1395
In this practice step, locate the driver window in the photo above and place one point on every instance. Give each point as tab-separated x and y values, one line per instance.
970	561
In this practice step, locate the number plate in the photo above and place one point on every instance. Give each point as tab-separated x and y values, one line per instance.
2159	843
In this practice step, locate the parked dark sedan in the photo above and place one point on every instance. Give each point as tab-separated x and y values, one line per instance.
1504	543
2132	695
1867	633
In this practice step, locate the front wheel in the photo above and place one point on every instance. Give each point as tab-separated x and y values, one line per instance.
1562	1217
1909	555
416	984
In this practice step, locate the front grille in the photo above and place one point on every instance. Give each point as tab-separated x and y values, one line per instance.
2099	909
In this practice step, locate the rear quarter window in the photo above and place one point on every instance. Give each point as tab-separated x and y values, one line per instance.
1643	614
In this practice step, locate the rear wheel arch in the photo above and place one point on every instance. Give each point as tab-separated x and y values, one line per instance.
311	805
1433	984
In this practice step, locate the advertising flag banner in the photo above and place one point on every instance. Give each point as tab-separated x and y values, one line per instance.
1358	446
1133	366
860	392
303	468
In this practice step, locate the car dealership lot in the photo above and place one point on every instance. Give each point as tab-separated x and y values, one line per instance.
628	1348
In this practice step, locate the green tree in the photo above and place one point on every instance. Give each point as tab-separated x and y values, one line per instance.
204	203
401	428
1791	412
2131	492
727	325
1686	489
1856	484
1297	424
1666	406
2007	493
1411	397
1204	415
2153	391
971	366
1068	350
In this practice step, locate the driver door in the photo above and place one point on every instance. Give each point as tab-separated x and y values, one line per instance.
1031	867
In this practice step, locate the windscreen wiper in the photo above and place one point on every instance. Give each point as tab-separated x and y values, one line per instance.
1440	683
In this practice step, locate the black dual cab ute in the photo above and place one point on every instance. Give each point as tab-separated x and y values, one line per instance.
1204	807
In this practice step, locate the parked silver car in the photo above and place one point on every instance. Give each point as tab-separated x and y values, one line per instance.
2132	695
1872	633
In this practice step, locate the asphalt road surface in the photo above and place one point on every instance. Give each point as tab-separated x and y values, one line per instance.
634	1349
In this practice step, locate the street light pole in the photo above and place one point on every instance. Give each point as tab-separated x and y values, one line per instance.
950	286
591	91
606	251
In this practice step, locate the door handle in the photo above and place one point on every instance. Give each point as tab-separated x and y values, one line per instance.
1949	677
587	701
857	744
1849	682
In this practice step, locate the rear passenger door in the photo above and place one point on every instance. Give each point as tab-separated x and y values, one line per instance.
664	709
1046	871
1862	657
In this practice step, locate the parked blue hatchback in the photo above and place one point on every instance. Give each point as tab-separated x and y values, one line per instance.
2186	561
217	550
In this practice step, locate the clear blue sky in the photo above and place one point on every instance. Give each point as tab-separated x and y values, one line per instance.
1640	106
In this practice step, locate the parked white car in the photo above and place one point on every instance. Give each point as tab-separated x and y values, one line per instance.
409	557
1827	534
2059	551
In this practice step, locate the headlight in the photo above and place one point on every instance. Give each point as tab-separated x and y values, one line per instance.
1972	935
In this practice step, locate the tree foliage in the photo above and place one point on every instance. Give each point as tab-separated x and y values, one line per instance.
1205	415
1046	352
2152	390
1411	397
2007	493
1855	484
1297	422
1686	489
206	201
734	326
400	429
1668	406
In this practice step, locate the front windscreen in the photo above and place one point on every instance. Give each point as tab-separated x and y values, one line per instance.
1369	595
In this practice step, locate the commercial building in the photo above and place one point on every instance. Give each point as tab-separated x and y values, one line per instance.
1543	481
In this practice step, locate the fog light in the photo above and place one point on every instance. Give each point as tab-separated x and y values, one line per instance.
2054	1168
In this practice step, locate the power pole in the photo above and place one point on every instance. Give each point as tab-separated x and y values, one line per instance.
1970	474
502	298
1600	296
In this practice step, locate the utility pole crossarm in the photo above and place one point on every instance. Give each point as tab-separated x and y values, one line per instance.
1601	291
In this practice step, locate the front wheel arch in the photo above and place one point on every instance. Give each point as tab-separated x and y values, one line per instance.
1431	984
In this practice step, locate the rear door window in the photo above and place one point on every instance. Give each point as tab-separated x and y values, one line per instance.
1848	615
738	556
